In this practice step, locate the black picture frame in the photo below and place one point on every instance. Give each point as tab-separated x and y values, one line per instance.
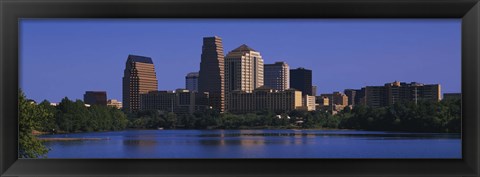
12	10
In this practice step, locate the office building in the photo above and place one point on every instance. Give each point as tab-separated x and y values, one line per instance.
340	99
264	98
139	77
301	79
243	69
180	101
211	74
351	94
391	93
277	76
114	103
191	81
308	103
95	98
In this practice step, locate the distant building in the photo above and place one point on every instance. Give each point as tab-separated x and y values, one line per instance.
308	102
314	90
95	98
447	96
139	78
390	93
301	79
179	101
340	99
212	72
114	103
322	100
277	76
264	98
191	81
351	94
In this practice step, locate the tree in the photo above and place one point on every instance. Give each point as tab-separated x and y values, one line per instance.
29	116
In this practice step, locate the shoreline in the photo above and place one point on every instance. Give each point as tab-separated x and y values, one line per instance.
72	139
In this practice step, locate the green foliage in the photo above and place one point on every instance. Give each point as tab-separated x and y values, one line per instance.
31	117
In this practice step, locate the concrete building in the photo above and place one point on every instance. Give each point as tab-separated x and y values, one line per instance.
351	94
308	102
114	103
139	77
211	74
390	93
301	79
243	69
95	98
447	96
264	98
191	81
180	101
277	76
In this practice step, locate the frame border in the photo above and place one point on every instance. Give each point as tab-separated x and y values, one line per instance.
12	10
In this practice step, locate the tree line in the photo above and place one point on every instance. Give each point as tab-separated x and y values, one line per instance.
72	116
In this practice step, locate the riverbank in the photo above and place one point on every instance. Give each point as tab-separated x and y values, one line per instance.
72	139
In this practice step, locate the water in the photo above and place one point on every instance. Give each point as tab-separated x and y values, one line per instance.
256	144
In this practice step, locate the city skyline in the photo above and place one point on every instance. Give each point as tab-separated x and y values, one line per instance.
335	82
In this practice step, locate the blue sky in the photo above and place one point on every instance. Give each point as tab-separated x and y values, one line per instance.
63	57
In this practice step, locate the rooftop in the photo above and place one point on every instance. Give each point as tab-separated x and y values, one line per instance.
243	48
141	59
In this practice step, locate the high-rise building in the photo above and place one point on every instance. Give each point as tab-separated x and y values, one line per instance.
211	75
139	77
180	101
314	90
95	98
277	76
301	79
243	70
264	98
191	81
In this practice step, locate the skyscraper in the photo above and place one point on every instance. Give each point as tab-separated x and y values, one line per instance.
243	70
277	76
191	81
139	77
301	79
211	75
95	98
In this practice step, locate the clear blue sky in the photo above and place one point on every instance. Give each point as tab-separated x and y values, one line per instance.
61	58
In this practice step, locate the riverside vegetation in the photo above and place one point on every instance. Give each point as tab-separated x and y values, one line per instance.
72	116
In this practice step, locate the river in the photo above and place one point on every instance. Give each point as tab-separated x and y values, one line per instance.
255	144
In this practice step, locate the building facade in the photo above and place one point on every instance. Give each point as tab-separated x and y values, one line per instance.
243	69
95	98
180	101
309	103
264	98
391	93
301	79
340	99
114	103
212	73
139	77
191	81
277	76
